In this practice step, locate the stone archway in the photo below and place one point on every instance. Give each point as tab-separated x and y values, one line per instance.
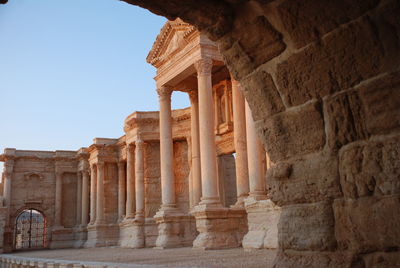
322	80
30	230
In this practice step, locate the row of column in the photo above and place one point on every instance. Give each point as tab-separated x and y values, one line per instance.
130	186
249	167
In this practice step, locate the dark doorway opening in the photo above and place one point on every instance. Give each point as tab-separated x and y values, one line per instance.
30	230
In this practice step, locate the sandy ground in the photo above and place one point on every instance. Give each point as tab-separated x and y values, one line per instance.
179	257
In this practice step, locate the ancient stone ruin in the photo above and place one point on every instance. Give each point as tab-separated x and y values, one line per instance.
321	82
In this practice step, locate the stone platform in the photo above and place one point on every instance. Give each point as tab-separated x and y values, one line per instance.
121	257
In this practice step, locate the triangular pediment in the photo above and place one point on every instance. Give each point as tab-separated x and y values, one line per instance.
172	37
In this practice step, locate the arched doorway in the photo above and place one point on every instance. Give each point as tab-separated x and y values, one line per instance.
30	230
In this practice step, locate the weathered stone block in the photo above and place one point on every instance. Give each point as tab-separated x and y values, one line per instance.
311	259
381	260
368	224
381	99
307	227
252	42
345	119
262	219
373	169
294	132
344	58
262	95
306	21
310	179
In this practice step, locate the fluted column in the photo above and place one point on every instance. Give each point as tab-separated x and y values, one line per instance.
166	149
93	193
100	194
255	161
85	197
58	205
239	136
121	189
209	174
195	150
79	198
130	182
139	178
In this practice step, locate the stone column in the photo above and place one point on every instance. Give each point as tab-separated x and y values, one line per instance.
166	150
195	143
121	190
100	194
8	169
58	205
209	174
130	182
255	165
239	132
139	176
217	226
85	197
79	198
93	193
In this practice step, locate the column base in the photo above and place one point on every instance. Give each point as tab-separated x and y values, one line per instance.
218	227
80	236
61	238
175	229
132	233
262	218
101	235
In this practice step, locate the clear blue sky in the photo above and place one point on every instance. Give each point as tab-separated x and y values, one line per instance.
73	70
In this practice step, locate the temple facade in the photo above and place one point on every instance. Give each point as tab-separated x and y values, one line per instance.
177	178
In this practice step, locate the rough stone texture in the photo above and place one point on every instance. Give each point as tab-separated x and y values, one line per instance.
306	180
381	103
368	224
262	220
380	260
310	259
307	21
213	17
333	65
345	119
307	227
293	133
252	42
372	169
268	101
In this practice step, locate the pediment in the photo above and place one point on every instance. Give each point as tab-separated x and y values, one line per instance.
172	37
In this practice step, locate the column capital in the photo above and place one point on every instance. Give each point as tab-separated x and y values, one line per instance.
59	173
193	96
164	92
121	164
100	164
130	147
204	66
8	169
139	143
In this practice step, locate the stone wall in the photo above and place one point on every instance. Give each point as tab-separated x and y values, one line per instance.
152	179
322	80
69	196
39	188
111	193
181	175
